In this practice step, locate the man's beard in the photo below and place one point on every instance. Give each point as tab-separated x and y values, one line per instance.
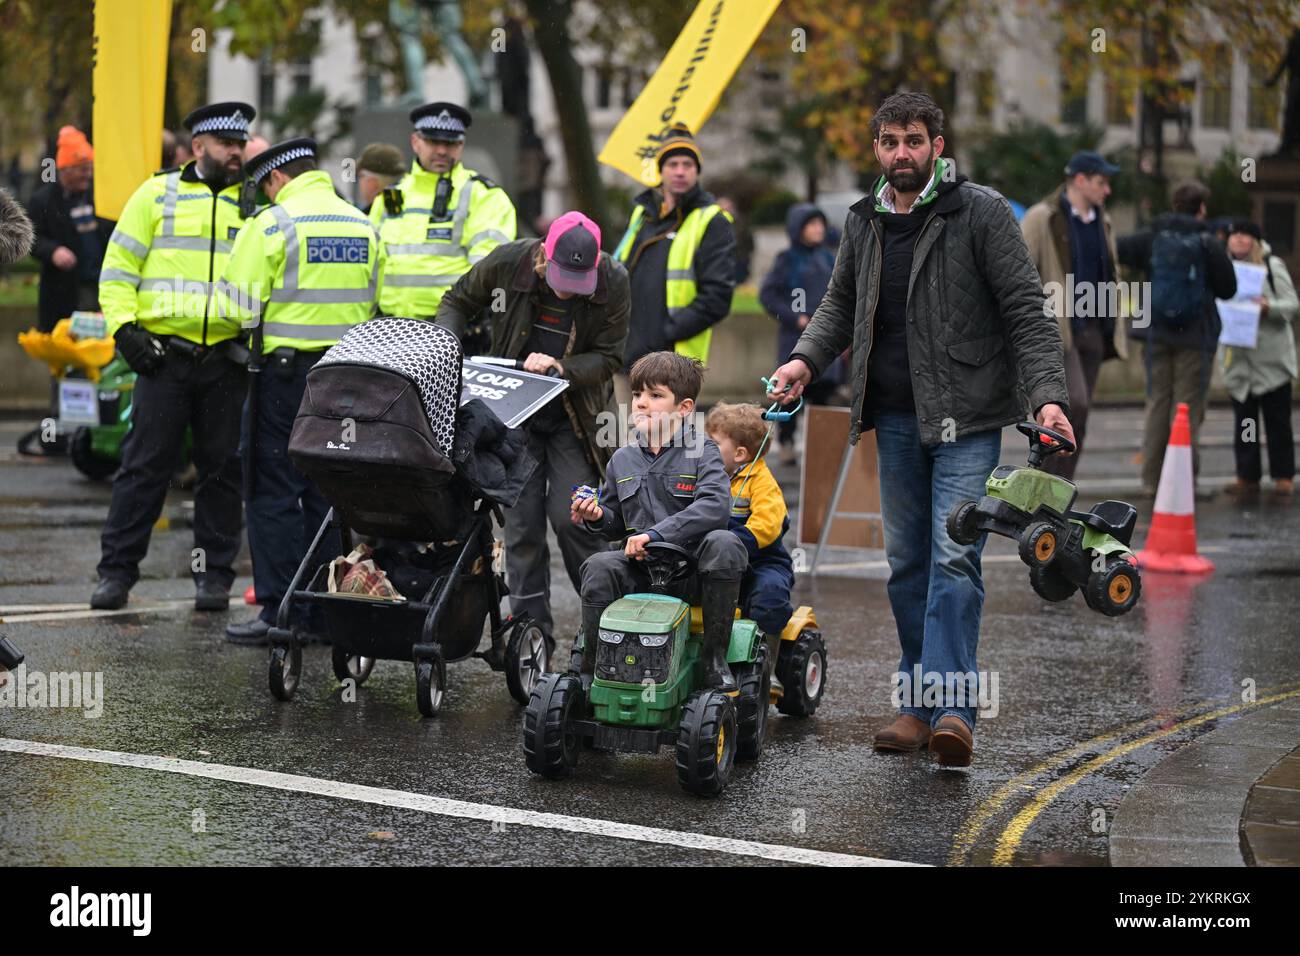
909	179
216	172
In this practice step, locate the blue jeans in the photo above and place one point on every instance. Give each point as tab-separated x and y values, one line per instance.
935	587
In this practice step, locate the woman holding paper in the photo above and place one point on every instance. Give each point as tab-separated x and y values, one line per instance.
1259	378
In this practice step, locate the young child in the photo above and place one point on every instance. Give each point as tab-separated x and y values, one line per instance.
758	513
669	485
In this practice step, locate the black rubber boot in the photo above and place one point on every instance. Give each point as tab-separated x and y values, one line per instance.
718	604
584	658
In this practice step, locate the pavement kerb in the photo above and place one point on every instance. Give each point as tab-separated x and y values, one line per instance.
1188	810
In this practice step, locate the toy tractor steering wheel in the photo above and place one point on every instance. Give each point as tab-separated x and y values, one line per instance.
1043	442
666	563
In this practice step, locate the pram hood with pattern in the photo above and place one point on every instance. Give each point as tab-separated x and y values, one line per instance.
376	431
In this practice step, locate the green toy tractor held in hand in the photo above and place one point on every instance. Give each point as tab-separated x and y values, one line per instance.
1066	550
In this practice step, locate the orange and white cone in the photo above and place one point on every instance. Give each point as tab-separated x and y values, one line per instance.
1171	542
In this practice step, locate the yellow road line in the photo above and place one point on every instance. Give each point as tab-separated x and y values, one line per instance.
965	839
1010	839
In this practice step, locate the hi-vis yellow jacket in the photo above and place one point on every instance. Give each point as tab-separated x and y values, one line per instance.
168	249
307	266
425	256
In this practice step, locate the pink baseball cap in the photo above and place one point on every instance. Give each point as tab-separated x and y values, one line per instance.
573	254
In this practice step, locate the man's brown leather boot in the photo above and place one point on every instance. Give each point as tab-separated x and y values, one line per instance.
952	742
904	735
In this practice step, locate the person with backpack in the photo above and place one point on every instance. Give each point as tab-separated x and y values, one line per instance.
1259	379
1179	328
791	292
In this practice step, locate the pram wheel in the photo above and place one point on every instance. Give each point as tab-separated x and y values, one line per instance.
528	657
430	684
351	666
284	670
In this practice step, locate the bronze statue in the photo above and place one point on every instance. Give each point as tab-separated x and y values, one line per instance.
405	15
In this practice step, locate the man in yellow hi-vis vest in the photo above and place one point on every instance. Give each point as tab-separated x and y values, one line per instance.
680	253
440	219
304	270
155	290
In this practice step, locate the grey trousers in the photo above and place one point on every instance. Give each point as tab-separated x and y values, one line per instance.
1177	375
561	464
608	575
1082	365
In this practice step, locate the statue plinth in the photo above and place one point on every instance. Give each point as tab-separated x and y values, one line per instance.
1275	201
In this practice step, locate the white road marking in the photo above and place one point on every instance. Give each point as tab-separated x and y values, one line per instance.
38	608
86	612
447	808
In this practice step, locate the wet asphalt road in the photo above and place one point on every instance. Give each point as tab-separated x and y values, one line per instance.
1073	686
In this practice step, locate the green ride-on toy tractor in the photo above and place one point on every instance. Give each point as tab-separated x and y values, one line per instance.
648	690
1066	550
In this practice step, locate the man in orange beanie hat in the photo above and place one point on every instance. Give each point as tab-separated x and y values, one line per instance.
70	239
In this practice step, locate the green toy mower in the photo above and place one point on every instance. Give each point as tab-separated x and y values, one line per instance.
647	691
1066	550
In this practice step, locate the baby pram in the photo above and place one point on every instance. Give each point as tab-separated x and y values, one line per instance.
377	433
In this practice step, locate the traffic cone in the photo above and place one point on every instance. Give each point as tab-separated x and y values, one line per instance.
1171	542
250	595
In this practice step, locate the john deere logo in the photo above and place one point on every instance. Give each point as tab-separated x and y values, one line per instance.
629	659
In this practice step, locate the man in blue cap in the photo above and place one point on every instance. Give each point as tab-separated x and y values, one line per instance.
1072	242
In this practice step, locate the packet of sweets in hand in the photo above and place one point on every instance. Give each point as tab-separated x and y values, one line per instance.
585	493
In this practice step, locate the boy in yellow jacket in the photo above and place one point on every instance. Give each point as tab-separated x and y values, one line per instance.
758	514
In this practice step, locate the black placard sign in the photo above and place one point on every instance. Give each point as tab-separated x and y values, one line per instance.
512	394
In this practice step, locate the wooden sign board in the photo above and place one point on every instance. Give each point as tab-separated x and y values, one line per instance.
825	438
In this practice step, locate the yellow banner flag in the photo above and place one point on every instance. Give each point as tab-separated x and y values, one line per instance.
131	38
688	84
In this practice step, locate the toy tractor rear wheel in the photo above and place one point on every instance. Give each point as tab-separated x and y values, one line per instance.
82	451
1114	591
1038	544
1051	584
961	523
706	743
551	744
801	666
755	683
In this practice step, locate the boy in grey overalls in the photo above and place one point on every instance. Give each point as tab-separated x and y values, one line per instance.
669	485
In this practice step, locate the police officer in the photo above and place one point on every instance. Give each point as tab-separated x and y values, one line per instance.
155	290
304	270
440	219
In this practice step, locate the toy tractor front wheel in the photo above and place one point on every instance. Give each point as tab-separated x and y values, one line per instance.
801	666
1051	584
755	683
961	523
706	743
551	744
1038	544
1114	591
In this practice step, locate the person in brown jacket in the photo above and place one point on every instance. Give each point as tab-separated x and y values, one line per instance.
1072	243
556	304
